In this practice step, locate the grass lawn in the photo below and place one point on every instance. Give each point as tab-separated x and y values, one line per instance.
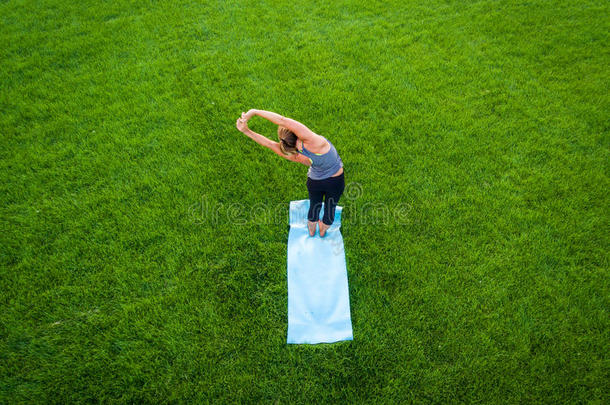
475	138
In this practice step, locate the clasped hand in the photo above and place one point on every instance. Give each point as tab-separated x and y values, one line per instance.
242	122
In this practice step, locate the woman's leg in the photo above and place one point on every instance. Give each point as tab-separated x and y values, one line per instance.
336	185
316	195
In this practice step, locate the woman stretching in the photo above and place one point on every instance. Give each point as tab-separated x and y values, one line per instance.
298	143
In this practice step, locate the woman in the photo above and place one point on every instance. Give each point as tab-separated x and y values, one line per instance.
298	143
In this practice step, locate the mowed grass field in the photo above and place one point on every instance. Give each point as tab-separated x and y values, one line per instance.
143	238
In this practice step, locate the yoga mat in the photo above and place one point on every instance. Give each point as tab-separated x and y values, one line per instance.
318	295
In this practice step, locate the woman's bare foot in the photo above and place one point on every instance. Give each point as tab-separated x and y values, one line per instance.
323	228
312	227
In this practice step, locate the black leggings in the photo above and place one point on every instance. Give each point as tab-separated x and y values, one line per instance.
331	188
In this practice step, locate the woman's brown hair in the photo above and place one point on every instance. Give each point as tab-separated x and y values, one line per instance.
288	140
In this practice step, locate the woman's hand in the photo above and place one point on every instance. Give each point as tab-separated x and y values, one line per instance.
242	124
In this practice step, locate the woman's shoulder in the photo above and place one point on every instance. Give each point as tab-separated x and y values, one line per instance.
318	142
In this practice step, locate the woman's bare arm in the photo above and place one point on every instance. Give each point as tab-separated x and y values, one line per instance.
275	147
300	130
258	138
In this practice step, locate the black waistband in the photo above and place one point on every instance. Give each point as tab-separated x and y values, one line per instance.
329	178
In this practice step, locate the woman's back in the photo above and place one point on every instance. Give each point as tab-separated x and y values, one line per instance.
323	165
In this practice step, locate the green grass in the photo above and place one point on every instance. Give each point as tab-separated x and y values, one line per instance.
488	120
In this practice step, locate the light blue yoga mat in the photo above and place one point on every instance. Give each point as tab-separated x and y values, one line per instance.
318	295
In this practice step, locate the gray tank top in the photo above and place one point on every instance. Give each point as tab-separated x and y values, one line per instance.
323	165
